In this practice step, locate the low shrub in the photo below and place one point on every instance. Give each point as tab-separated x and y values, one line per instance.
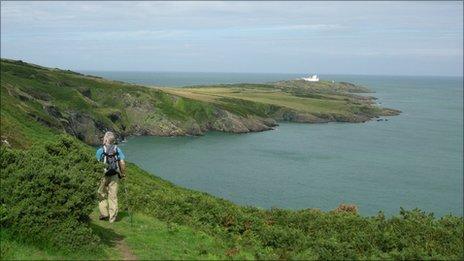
47	193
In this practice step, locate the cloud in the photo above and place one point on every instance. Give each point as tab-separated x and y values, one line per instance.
233	33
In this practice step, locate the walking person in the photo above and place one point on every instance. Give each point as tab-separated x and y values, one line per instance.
113	157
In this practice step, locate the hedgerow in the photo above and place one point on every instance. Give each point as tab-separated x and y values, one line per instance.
47	193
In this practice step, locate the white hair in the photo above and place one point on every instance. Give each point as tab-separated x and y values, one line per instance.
109	138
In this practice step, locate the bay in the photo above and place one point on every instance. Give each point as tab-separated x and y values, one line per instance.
412	160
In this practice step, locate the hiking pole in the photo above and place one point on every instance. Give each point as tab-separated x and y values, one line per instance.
122	176
128	205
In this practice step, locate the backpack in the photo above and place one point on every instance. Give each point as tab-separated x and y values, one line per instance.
110	156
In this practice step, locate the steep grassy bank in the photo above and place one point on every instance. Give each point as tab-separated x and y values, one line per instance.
86	106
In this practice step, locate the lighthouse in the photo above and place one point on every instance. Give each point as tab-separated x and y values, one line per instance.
312	78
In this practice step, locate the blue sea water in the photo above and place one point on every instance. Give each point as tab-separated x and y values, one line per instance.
412	160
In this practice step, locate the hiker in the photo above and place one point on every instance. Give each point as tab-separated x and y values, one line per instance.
113	157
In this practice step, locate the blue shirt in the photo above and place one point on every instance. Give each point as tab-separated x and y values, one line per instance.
120	153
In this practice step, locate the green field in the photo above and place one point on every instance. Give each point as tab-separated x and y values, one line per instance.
276	97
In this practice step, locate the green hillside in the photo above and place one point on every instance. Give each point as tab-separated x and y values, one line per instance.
49	181
87	106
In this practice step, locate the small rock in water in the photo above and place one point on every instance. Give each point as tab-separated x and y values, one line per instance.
379	119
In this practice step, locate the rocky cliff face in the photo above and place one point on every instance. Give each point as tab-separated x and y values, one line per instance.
143	118
229	122
84	127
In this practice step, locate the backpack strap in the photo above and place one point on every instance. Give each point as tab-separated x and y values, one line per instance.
112	148
116	152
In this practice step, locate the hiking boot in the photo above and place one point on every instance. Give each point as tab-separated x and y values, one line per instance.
103	217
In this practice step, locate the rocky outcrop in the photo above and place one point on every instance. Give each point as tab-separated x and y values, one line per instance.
301	117
53	111
389	112
84	127
294	116
225	121
147	119
229	122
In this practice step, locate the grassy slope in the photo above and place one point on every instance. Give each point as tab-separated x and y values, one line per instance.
149	238
146	238
28	91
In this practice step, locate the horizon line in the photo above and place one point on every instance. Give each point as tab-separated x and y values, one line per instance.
232	72
283	73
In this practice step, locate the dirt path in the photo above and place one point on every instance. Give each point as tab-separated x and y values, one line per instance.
125	250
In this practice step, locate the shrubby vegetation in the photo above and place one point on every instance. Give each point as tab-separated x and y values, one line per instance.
304	234
48	192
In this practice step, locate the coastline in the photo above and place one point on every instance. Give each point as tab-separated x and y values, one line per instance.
84	107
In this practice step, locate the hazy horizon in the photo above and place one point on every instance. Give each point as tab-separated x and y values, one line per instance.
231	72
342	38
305	73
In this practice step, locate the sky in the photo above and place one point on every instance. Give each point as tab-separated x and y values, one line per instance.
383	38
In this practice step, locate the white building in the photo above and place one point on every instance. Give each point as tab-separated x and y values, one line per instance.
312	78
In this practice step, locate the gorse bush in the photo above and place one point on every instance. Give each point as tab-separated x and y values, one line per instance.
48	192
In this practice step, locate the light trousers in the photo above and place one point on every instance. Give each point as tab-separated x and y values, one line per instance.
108	195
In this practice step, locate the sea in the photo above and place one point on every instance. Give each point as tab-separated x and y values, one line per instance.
414	160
